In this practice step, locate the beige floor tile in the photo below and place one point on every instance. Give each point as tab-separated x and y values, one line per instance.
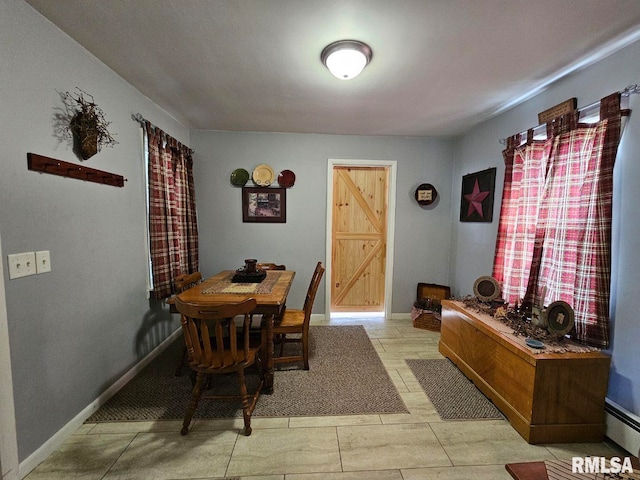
397	380
483	472
85	428
85	457
173	456
237	424
264	477
414	417
136	427
368	475
414	345
383	332
334	421
564	451
292	450
390	447
486	442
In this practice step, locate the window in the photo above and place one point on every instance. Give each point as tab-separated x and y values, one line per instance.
554	235
173	229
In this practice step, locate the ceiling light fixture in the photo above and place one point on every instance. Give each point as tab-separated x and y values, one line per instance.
345	59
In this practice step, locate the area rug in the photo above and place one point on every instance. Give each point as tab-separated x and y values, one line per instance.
453	395
346	377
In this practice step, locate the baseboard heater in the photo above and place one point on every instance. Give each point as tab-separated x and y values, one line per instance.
623	427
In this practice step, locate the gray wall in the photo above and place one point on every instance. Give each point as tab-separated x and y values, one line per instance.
473	244
75	330
421	237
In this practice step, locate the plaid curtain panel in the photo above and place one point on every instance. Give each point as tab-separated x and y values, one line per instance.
554	234
173	230
517	230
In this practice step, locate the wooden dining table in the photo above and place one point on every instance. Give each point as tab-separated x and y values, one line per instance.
270	294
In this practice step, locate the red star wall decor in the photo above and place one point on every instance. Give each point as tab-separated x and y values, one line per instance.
476	203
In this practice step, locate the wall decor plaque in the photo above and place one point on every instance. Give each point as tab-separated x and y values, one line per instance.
476	203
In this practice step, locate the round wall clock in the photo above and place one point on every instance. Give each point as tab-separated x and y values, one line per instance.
426	194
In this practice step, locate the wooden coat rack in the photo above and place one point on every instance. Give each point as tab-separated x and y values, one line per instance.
40	163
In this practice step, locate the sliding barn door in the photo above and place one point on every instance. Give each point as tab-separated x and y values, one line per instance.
359	232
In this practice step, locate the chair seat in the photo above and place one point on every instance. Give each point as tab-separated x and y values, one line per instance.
291	318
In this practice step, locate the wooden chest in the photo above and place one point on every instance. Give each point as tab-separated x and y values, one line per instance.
547	397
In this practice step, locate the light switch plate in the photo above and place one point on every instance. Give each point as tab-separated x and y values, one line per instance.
22	265
43	262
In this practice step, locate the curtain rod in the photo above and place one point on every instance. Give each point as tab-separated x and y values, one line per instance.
629	90
136	117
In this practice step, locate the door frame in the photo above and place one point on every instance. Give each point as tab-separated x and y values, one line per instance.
391	222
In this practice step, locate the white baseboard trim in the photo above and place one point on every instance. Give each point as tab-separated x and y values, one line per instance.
51	445
623	427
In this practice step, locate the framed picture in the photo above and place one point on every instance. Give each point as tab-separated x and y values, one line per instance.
264	205
476	203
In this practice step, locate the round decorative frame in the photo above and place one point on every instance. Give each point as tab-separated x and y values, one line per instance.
426	194
486	288
559	318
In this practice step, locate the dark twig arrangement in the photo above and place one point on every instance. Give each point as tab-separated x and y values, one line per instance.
514	318
87	123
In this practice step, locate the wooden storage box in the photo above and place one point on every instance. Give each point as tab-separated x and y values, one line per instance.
547	397
433	291
427	319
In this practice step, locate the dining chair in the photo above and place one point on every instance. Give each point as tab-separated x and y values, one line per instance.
296	322
216	347
182	283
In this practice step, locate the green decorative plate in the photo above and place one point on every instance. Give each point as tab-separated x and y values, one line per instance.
239	177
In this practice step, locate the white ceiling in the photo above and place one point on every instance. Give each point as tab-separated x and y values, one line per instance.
438	67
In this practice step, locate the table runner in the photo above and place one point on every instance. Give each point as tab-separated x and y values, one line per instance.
226	285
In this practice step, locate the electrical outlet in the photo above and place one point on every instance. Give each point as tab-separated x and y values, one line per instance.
43	262
22	265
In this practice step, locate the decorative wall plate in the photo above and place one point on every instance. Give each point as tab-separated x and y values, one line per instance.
426	194
239	177
559	318
263	175
286	179
486	289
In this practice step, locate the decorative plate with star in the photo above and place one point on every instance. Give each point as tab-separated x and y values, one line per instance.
476	204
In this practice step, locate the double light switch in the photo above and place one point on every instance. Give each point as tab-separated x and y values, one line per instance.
29	263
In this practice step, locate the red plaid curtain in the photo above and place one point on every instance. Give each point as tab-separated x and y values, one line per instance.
554	235
173	229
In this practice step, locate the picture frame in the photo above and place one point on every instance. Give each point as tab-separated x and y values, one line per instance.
476	199
264	205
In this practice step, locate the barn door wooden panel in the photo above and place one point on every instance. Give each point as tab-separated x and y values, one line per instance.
359	232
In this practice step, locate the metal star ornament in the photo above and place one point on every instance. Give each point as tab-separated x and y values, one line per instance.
475	199
476	202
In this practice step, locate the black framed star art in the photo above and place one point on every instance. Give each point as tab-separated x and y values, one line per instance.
476	203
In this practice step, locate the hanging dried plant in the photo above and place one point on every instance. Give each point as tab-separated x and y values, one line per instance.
87	123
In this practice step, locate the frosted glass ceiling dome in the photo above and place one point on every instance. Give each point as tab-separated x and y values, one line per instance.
346	59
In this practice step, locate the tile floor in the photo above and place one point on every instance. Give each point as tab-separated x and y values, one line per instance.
414	446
